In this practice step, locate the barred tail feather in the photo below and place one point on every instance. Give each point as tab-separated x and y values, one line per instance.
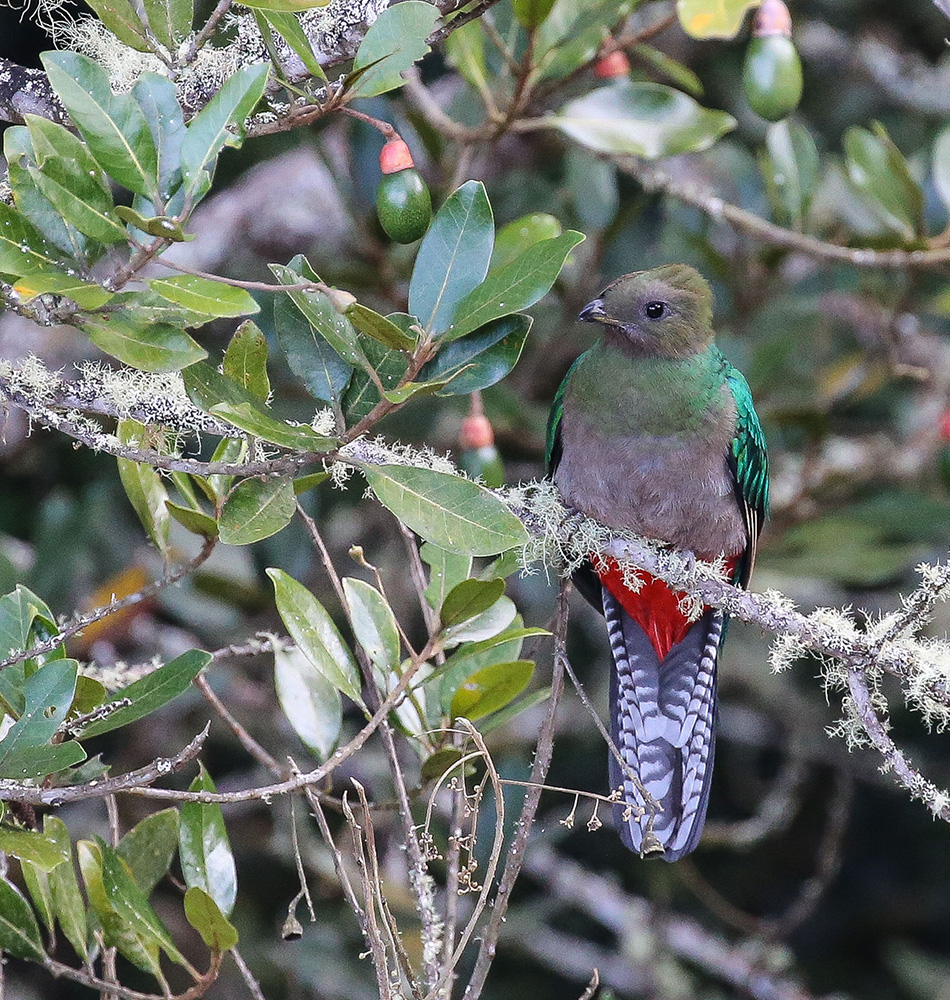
663	716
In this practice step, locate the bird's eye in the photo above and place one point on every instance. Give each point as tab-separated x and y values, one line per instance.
655	310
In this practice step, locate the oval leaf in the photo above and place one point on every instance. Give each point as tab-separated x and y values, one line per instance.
448	511
313	631
492	688
374	623
641	119
310	702
19	931
204	849
454	256
203	913
256	509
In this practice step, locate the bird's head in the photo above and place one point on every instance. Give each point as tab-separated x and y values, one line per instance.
666	312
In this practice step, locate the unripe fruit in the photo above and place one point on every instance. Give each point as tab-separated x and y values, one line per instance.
772	74
612	65
772	77
403	205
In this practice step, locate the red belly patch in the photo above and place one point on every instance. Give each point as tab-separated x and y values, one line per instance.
654	607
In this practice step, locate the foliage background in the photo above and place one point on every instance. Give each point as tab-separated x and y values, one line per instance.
858	502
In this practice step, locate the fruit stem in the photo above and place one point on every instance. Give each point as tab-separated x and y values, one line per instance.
388	131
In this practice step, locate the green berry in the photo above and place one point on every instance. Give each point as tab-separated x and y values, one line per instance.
772	77
403	205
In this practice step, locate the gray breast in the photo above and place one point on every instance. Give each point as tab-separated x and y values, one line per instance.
678	488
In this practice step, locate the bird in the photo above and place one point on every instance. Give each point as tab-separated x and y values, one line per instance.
654	432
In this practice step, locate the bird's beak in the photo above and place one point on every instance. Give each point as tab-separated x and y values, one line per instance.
593	312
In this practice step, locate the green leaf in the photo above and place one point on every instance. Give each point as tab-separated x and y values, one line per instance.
152	347
518	236
158	99
514	709
69	907
465	50
143	485
251	418
73	181
514	286
316	636
285	6
316	307
170	21
25	618
468	599
149	848
203	913
140	949
304	483
479	359
33	847
373	622
790	168
311	702
641	119
324	373
379	327
449	511
149	693
19	931
245	359
446	571
207	387
34	205
113	125
532	14
256	509
492	688
485	625
86	294
201	295
940	165
362	395
285	24
131	904
204	849
573	33
441	761
124	21
220	123
22	249
37	885
880	175
234	452
395	40
677	73
713	18
454	256
47	694
196	521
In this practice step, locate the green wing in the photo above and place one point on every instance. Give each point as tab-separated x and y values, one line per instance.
749	462
552	451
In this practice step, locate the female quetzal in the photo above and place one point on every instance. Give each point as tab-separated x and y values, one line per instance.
653	431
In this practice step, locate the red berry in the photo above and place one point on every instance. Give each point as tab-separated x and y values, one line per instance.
476	432
612	65
945	426
395	156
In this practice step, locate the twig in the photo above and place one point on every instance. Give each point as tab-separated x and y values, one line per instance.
244	737
656	179
253	986
516	854
78	622
141	778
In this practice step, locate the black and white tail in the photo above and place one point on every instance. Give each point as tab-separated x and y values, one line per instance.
663	718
